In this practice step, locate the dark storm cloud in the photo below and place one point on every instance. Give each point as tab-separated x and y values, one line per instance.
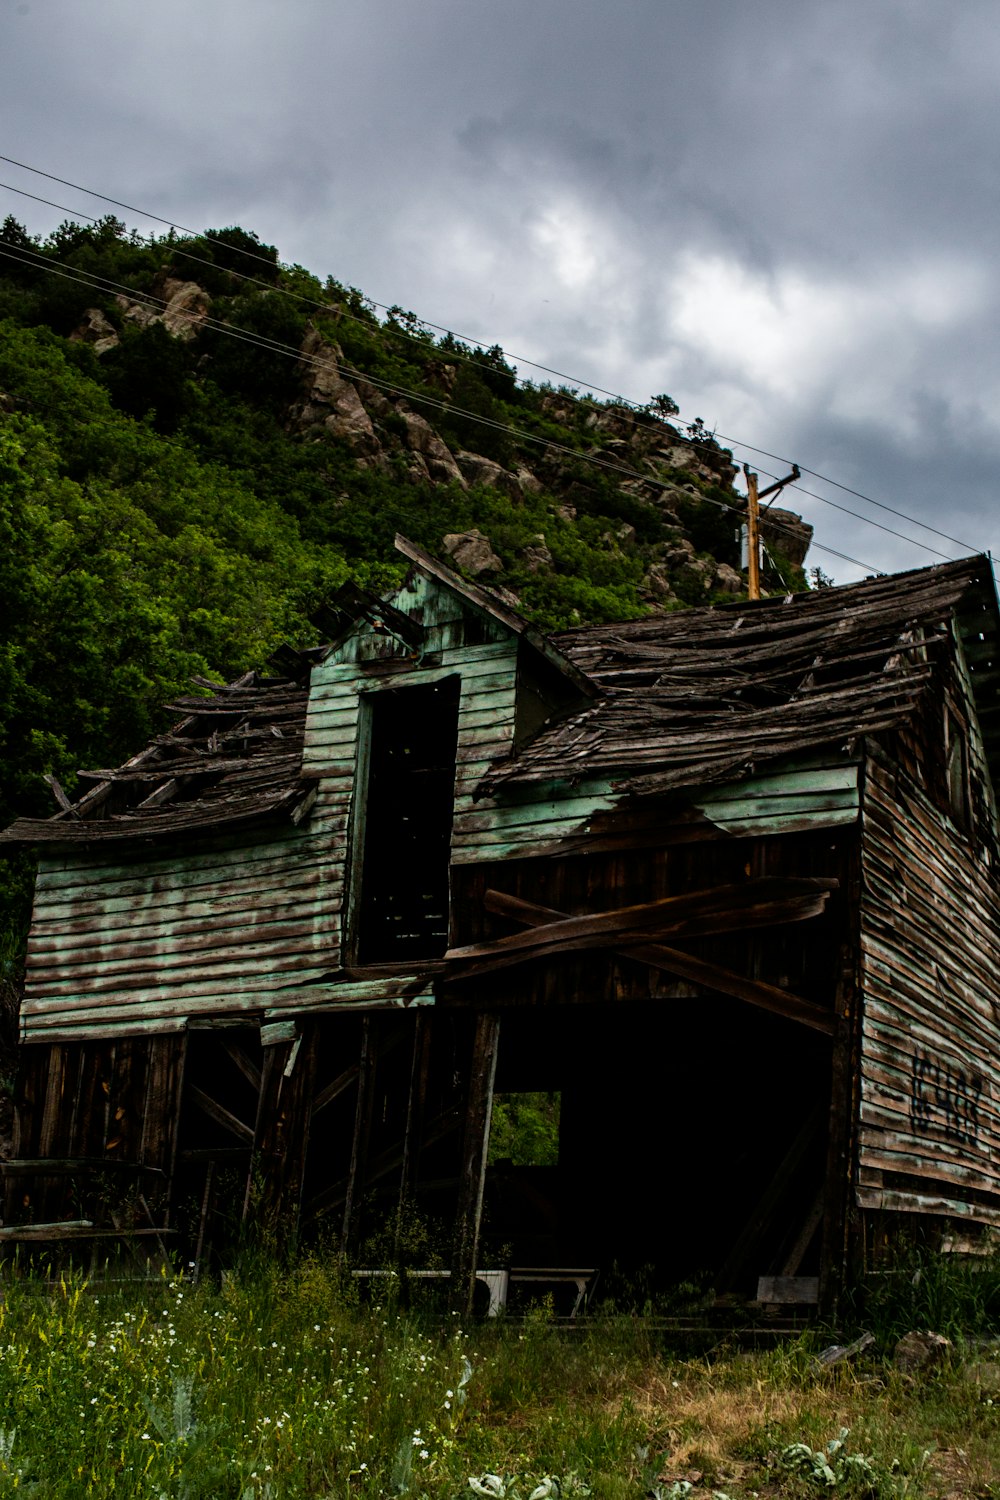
784	213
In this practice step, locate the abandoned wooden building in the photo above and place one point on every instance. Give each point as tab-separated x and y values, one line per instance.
724	879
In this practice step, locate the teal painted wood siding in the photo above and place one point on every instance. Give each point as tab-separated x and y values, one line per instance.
132	947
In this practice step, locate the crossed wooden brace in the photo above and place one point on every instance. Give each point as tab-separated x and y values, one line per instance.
765	902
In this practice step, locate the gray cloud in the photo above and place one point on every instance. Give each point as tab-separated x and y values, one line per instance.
785	214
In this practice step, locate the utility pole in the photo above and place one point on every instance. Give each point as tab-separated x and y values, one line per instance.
754	497
753	535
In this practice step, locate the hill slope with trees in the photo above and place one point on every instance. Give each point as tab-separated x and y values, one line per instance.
199	446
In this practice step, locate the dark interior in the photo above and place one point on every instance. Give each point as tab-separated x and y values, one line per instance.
411	779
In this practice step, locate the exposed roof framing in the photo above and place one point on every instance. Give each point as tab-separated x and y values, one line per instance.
691	698
706	695
235	758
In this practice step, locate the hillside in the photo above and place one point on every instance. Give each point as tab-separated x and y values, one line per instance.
199	446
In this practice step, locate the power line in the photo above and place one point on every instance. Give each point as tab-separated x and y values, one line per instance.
89	279
252	254
617	396
902	514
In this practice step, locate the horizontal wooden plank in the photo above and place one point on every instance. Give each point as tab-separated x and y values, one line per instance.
468	662
396	1003
902	1202
48	1031
256	929
190	985
775	822
268	855
741	809
67	919
505	820
156	987
823	778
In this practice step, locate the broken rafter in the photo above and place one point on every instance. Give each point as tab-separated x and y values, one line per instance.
713	976
689	697
729	908
58	793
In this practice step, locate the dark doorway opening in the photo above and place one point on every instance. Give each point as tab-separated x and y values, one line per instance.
692	1142
413	739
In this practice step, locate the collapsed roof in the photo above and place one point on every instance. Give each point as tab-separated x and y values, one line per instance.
701	696
685	699
234	759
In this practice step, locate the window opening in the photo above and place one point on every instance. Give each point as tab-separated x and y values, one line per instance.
525	1129
413	740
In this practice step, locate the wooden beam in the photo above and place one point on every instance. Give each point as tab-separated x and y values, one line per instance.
56	789
728	982
812	1221
356	1172
412	1138
729	908
478	1117
220	1114
335	1088
702	971
246	1065
770	1199
78	1229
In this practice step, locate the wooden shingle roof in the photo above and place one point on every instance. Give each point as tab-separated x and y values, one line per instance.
691	698
702	696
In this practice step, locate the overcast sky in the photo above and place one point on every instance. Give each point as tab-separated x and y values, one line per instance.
784	213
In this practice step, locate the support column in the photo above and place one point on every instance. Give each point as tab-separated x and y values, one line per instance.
475	1145
413	1138
357	1170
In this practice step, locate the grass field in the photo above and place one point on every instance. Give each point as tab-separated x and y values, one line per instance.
278	1384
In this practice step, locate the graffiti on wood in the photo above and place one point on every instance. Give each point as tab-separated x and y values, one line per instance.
945	1098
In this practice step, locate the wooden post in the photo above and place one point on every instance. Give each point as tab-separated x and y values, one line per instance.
357	1170
753	537
412	1140
475	1145
839	1218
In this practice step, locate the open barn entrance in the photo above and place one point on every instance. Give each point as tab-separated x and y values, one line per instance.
653	1142
692	1142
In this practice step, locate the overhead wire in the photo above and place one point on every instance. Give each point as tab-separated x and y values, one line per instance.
859	494
396	330
37	261
266	260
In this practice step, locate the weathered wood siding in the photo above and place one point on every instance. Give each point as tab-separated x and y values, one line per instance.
132	947
549	819
929	1131
254	925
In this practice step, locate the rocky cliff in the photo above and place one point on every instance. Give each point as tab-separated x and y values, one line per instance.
675	515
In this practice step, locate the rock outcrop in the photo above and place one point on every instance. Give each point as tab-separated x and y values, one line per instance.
785	532
471	551
434	454
331	402
97	330
184	308
478	469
